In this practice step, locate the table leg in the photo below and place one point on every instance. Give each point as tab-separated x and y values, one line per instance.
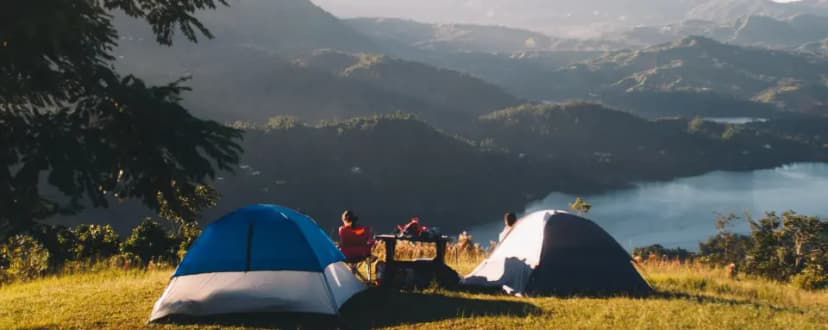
390	269
441	252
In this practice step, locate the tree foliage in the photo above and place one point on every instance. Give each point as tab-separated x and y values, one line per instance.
580	205
70	120
659	251
94	242
787	247
149	240
22	258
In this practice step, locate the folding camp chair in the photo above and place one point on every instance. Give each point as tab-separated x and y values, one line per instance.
356	244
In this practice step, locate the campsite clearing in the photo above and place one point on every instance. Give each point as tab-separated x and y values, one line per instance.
689	298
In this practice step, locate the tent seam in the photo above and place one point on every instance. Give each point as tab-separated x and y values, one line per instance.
304	238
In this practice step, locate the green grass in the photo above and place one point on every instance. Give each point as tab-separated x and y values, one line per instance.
687	297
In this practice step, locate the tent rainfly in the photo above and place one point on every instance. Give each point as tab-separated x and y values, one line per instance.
554	252
262	258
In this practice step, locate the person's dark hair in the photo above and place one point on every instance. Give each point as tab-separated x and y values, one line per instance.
350	216
510	218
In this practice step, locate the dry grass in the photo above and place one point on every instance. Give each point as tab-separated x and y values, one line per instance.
689	296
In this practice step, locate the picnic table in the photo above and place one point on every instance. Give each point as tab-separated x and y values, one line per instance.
391	264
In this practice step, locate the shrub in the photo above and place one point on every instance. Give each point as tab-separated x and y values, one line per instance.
790	247
658	251
185	236
725	248
24	258
815	275
148	241
58	240
94	242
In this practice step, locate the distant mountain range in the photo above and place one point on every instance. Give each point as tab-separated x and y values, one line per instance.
729	10
255	69
765	31
470	37
697	65
578	18
818	47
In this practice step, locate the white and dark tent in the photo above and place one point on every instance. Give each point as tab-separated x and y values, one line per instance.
554	252
258	259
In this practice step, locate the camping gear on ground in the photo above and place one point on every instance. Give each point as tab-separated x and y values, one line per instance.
356	242
554	252
417	273
261	258
421	274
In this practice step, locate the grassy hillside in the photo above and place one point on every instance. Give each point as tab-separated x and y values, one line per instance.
688	297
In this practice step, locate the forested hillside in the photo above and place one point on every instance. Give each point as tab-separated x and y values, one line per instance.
697	65
393	167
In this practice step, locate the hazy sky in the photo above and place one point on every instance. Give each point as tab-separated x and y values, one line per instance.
551	16
560	17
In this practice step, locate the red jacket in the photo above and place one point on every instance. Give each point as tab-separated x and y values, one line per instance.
355	241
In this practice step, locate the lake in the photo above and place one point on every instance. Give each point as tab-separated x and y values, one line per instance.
680	213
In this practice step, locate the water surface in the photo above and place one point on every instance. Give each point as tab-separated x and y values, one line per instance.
681	212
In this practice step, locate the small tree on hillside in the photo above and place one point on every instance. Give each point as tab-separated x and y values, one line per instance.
149	241
581	206
94	242
22	258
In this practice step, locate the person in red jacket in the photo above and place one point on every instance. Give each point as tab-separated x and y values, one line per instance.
355	240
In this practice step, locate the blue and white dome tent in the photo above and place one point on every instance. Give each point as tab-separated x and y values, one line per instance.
261	258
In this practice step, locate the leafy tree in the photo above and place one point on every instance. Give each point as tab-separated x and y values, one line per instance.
786	246
790	247
94	135
185	236
58	240
581	206
695	125
725	247
149	241
766	257
94	242
23	258
805	235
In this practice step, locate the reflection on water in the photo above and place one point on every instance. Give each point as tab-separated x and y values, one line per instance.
681	212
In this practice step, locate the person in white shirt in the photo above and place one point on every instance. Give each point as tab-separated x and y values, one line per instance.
509	220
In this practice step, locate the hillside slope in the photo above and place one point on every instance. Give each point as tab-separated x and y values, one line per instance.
470	37
693	64
248	71
609	144
688	297
437	87
751	30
